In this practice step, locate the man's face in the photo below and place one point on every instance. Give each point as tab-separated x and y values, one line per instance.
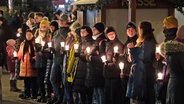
62	22
38	19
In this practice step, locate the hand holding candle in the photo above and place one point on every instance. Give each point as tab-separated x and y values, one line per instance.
103	58
49	44
76	47
121	66
116	49
62	44
14	54
159	76
42	43
66	47
88	50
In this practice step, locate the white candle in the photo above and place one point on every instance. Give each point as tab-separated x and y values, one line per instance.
49	44
103	58
159	76
115	49
88	50
158	49
62	44
76	47
121	65
18	34
14	54
36	40
42	43
67	47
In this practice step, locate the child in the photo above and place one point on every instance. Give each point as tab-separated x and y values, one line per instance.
11	64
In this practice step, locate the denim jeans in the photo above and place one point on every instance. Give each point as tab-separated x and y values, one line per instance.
56	80
99	95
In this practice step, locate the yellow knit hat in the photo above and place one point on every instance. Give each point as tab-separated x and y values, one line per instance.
45	23
170	22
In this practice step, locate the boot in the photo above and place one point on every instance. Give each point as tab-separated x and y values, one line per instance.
15	86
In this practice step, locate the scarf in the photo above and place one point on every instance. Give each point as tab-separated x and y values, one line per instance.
28	43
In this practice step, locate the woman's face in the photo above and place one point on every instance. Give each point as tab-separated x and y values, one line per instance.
83	32
52	28
131	32
111	35
29	35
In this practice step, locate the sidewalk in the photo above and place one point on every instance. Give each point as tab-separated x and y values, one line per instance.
12	97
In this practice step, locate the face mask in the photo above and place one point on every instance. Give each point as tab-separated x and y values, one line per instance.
170	34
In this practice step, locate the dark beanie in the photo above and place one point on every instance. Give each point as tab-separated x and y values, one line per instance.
131	25
100	27
55	24
109	29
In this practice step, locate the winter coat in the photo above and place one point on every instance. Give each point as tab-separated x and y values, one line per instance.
136	84
10	59
59	36
79	81
94	75
127	64
25	66
111	69
174	52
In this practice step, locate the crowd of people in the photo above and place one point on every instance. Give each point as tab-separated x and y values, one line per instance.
63	62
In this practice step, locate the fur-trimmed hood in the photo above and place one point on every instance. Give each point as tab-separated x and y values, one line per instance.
171	46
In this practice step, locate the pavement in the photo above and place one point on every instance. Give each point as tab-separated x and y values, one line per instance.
10	97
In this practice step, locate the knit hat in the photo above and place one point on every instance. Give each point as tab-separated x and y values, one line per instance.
10	42
109	29
54	23
64	16
44	22
131	25
180	34
170	22
99	26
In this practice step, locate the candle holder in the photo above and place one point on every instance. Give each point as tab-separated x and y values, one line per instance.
121	66
76	47
104	60
15	54
62	47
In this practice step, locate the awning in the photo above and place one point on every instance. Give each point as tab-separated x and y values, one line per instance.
82	2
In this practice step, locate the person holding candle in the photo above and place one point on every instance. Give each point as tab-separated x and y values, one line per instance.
43	37
71	61
25	54
111	71
56	76
94	74
11	55
79	87
131	31
142	76
173	51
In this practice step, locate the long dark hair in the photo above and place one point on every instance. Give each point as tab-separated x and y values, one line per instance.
29	43
147	31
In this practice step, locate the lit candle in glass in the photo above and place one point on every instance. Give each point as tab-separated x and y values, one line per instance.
159	76
67	47
18	34
42	43
49	44
103	58
36	40
116	49
62	44
158	49
88	50
121	66
76	47
14	54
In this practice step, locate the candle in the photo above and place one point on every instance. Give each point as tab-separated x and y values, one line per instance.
88	50
62	44
14	54
121	65
67	47
49	44
159	76
158	49
116	49
18	34
76	47
43	43
103	58
36	40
